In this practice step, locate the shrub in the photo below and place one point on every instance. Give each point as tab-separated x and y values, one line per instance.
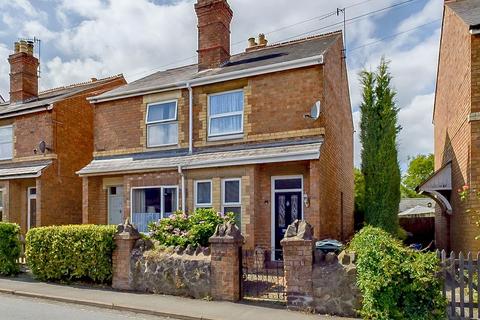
68	253
182	229
10	248
396	282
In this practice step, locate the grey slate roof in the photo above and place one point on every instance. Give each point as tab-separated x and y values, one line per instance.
278	152
468	11
48	97
20	169
409	203
273	54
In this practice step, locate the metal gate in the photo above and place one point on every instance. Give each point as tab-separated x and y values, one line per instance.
262	279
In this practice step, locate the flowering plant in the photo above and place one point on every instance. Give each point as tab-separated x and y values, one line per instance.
182	229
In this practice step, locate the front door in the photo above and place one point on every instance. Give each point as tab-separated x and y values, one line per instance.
287	208
115	205
32	207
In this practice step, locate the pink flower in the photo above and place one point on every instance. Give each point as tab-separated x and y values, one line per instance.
465	188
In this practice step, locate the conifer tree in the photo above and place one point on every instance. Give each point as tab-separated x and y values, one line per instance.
378	135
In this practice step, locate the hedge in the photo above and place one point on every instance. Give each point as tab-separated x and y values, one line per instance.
10	248
396	282
69	253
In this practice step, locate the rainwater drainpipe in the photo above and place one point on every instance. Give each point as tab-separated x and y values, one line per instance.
180	171
190	118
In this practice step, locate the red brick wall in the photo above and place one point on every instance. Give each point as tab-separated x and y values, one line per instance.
29	130
452	129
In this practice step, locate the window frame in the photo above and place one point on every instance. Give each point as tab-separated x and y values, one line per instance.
195	194
232	204
162	200
10	126
224	115
149	124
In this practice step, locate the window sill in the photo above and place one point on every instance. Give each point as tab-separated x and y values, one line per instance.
226	137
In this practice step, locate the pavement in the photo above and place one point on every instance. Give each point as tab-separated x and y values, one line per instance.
148	304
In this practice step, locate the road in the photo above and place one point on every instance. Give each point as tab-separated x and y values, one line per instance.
19	308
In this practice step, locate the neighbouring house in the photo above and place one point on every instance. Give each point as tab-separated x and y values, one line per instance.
417	217
232	132
456	118
45	137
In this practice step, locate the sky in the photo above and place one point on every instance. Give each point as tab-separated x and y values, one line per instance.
81	39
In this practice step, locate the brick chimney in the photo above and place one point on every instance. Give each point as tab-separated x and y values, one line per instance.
23	72
214	18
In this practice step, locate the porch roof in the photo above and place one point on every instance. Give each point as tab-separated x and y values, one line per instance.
438	183
219	158
23	170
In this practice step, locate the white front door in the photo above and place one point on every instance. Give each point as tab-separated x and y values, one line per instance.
115	205
31	207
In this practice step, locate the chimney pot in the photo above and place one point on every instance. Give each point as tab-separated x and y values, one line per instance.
251	42
262	41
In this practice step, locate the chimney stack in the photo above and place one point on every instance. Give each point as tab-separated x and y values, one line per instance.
23	72
214	18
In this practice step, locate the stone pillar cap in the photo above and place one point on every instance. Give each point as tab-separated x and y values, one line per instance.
127	231
299	230
227	232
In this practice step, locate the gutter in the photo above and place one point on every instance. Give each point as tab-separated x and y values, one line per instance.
282	66
27	111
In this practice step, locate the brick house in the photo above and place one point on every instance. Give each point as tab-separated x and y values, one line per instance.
457	127
230	132
45	137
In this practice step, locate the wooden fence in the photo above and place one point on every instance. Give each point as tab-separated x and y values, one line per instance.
461	275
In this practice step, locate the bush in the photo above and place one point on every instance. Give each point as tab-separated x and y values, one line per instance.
182	229
68	253
10	248
396	282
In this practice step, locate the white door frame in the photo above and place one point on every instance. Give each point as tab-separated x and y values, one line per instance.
30	197
272	206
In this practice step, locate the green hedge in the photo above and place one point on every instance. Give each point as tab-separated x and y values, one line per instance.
396	282
10	248
69	253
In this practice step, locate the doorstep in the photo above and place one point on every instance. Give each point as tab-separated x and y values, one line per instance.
158	305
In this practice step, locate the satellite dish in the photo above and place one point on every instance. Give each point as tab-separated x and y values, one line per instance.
42	146
315	111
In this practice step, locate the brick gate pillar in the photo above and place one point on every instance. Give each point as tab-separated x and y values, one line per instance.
226	246
298	265
125	239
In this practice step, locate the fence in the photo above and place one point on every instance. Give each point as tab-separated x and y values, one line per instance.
461	275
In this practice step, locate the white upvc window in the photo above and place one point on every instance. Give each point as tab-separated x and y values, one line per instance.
6	142
203	194
162	124
232	198
225	114
150	204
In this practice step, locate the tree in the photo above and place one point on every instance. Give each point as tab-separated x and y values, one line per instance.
378	135
419	169
359	198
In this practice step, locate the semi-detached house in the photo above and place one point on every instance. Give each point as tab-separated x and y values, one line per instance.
232	132
45	137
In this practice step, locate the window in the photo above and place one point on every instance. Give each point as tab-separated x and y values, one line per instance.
203	194
152	204
225	113
6	142
162	124
231	199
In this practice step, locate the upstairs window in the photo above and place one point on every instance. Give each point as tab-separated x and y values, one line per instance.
6	142
162	124
225	113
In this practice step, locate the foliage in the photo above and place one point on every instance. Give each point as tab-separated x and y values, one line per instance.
396	282
10	248
182	229
359	198
465	194
378	135
419	169
74	252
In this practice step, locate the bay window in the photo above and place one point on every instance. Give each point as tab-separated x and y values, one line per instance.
231	198
151	204
162	124
225	113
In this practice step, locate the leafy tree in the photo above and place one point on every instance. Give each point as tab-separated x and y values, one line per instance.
419	169
359	198
378	135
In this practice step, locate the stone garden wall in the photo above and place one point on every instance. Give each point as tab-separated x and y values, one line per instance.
173	271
